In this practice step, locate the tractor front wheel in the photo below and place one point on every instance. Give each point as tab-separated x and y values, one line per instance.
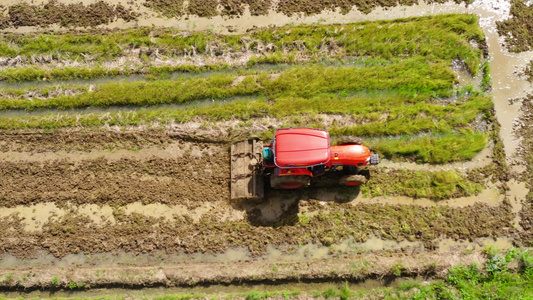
289	182
352	180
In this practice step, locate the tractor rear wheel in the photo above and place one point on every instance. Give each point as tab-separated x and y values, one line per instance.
352	180
350	141
289	182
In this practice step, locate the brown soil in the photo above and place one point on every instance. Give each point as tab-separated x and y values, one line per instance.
169	8
135	233
518	30
199	177
524	130
203	8
528	71
190	178
65	15
101	12
70	140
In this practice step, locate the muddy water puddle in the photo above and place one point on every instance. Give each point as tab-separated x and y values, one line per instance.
489	195
507	85
464	77
245	22
35	216
450	245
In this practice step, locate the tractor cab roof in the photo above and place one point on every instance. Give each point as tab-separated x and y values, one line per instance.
301	147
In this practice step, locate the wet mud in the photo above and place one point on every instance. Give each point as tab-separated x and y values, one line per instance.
346	268
64	15
159	205
102	12
524	130
516	30
192	177
138	233
75	140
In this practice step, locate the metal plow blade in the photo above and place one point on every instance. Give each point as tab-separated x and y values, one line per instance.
246	169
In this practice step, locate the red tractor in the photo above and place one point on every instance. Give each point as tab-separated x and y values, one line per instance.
295	156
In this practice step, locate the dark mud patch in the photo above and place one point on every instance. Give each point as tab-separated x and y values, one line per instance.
190	180
65	15
235	8
528	71
203	8
311	7
518	30
168	8
135	233
524	130
83	140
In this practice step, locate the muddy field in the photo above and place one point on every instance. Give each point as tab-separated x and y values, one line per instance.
136	206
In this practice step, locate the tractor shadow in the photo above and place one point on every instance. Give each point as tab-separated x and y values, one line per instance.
282	207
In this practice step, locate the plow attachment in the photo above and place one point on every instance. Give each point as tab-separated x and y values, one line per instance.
246	169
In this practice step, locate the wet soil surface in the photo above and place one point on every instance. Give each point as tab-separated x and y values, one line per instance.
198	174
70	140
65	15
168	181
102	12
136	233
524	130
517	30
143	168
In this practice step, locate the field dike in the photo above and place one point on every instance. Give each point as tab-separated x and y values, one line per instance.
128	193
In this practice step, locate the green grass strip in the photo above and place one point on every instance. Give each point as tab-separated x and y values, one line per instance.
369	109
432	149
442	37
436	185
413	75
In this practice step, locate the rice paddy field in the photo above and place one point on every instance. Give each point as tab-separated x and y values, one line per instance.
116	122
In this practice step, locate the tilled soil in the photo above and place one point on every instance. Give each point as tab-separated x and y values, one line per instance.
136	233
524	130
517	30
102	12
65	15
202	176
72	140
190	179
194	175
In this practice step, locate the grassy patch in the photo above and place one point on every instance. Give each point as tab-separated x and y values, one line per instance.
436	38
432	149
436	185
411	76
33	73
